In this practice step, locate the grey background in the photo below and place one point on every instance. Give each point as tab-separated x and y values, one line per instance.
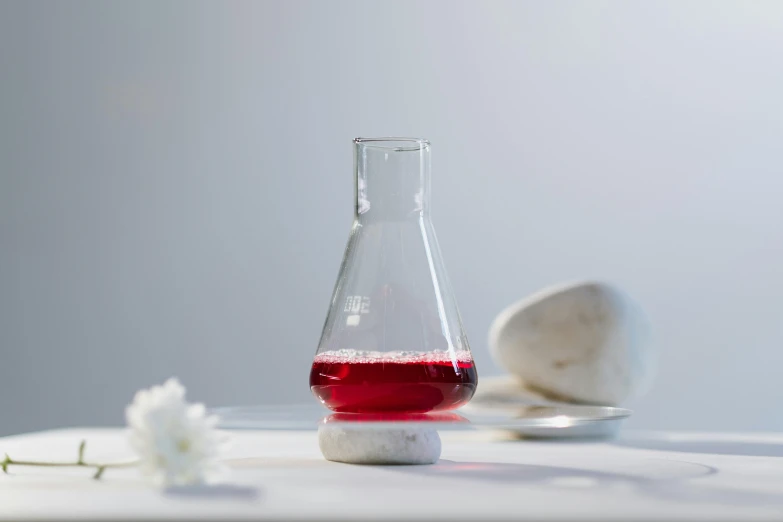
175	186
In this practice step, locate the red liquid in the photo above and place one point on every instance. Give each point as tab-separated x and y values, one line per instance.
351	382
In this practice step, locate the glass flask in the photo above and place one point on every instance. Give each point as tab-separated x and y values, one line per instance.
393	339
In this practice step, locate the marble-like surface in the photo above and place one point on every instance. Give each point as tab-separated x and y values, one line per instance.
577	342
416	445
282	475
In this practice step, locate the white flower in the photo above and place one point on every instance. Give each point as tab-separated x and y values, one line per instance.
177	442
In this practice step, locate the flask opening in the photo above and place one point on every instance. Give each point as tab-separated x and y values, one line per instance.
394	144
392	178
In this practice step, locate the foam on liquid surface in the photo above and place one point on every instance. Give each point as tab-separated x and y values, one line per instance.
404	357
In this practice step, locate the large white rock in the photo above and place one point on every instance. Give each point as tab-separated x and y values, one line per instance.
582	342
414	445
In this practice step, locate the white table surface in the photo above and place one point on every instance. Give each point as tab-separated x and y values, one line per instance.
281	475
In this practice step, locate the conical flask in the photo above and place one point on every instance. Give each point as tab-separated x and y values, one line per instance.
393	339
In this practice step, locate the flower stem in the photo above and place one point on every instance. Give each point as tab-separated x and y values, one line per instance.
99	468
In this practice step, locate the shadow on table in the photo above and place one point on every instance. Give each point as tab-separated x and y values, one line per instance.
216	491
675	487
750	449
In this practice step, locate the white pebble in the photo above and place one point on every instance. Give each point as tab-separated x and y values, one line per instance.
581	342
415	445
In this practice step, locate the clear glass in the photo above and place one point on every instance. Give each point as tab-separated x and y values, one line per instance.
534	419
393	339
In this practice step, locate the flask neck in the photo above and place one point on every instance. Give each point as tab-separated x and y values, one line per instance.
392	178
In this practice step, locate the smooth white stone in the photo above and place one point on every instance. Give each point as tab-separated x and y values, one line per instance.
582	342
416	445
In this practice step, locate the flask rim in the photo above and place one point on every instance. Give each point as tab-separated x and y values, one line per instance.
397	144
